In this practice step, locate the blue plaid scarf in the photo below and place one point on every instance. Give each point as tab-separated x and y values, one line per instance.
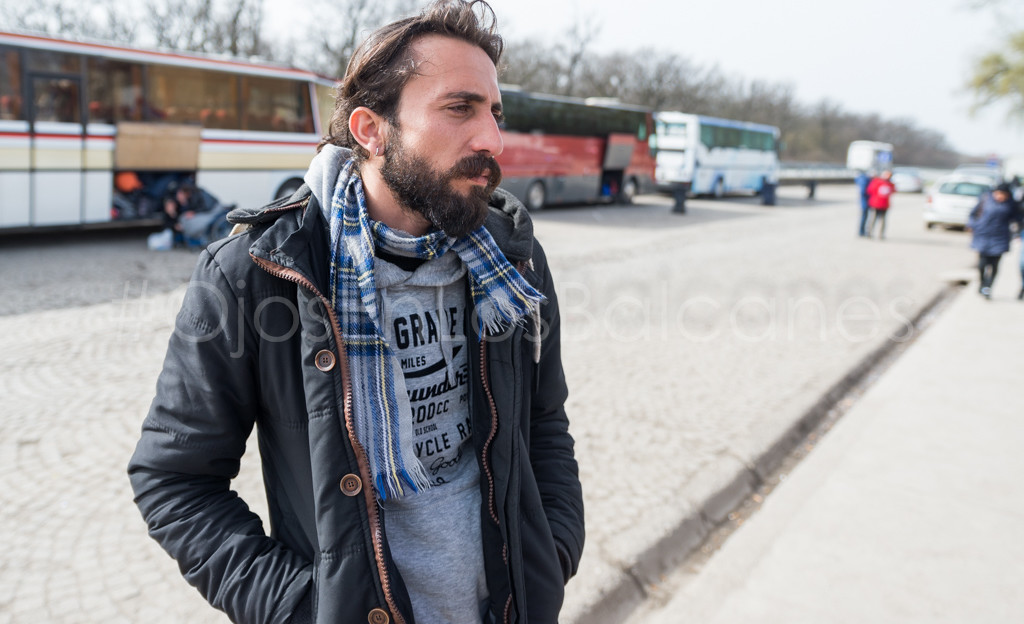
501	298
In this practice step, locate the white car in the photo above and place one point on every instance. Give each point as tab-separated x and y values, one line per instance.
907	180
952	198
995	174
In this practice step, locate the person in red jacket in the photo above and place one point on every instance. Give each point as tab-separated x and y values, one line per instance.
879	191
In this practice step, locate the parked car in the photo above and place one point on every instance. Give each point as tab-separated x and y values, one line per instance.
952	197
995	174
907	180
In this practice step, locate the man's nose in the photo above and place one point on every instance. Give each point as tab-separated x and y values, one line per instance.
488	137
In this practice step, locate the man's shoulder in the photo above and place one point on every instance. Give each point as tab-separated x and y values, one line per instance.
268	213
265	227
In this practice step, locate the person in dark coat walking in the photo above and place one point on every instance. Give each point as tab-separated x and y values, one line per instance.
990	224
391	331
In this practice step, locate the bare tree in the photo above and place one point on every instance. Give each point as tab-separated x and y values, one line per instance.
96	20
240	32
189	25
181	25
337	28
574	51
562	68
530	64
207	26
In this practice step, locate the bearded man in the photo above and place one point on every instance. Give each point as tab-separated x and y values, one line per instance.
391	331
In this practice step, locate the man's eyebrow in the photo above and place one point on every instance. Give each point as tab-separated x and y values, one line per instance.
467	96
470	96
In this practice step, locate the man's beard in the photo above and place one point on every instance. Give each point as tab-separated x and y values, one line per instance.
418	188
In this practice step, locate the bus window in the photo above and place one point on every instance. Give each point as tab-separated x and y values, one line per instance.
276	105
194	96
115	91
56	99
53	62
10	85
673	130
707	135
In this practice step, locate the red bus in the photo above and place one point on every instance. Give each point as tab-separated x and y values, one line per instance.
570	150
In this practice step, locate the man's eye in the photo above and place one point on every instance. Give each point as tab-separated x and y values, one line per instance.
499	117
460	108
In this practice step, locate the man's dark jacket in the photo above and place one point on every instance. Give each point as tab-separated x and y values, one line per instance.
990	222
256	342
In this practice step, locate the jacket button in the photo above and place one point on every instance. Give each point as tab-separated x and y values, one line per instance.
351	485
324	360
378	616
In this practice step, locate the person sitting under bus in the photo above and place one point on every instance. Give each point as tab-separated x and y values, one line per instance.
196	216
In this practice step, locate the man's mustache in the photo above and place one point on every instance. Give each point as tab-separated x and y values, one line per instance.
474	166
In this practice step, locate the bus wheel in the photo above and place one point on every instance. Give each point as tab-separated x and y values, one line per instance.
288	188
719	190
627	192
536	196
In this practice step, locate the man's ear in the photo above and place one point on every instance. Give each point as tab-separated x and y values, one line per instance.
367	128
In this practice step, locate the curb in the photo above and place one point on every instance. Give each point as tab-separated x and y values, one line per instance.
620	600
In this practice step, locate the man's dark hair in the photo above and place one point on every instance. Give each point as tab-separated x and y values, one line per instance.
383	64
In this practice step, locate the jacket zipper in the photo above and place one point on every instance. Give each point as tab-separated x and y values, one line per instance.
492	505
371	505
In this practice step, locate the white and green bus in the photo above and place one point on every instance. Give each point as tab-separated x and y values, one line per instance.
711	156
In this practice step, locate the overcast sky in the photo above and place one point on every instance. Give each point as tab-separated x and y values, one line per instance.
899	58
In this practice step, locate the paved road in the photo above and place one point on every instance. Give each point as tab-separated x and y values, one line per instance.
691	344
909	510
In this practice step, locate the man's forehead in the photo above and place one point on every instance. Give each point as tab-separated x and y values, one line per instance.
452	64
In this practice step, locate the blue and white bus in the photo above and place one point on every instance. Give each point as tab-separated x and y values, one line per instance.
712	156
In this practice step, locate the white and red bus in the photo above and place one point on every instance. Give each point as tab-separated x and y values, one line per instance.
76	116
568	150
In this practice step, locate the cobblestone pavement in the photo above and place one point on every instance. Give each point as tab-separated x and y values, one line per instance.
42	272
690	342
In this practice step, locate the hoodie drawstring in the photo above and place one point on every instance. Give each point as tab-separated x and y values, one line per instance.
447	351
